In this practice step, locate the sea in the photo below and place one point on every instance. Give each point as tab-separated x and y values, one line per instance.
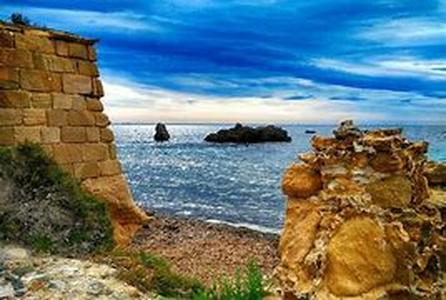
232	184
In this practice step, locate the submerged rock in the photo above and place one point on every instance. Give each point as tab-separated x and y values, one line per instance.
161	133
247	135
360	222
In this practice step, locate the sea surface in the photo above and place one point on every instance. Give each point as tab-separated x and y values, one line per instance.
234	184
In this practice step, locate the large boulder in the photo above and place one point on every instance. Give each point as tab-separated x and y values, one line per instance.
436	173
161	133
360	221
246	135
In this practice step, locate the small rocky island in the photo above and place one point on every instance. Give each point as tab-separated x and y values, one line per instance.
161	133
246	135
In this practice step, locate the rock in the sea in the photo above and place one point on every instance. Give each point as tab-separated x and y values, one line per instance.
436	173
246	135
360	223
161	133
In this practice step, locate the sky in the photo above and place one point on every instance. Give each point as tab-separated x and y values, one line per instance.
261	61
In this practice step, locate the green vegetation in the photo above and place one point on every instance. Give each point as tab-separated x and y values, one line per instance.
152	273
250	286
44	208
19	19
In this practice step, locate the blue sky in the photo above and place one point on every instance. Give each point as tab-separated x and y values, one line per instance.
319	61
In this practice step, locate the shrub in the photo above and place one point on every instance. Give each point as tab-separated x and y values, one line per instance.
42	207
19	19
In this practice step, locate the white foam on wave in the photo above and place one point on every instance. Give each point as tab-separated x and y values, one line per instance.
254	227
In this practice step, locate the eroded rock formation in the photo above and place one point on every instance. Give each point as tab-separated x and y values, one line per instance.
50	94
359	222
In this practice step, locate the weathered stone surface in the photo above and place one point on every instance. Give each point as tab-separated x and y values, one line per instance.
436	174
359	258
101	120
366	229
95	152
80	118
42	100
7	136
107	135
6	39
57	118
98	89
28	134
93	134
95	105
127	218
62	48
10	116
77	84
34	43
110	167
50	135
91	53
67	153
9	78
33	116
14	99
394	191
40	81
53	63
87	68
86	170
301	182
62	101
16	58
77	50
79	103
161	133
73	135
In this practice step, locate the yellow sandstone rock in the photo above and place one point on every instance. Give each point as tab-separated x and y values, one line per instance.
301	182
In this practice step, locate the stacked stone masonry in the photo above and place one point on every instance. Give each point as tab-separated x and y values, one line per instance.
50	94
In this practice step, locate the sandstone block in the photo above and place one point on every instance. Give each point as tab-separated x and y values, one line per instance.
86	170
394	191
34	43
79	103
93	134
67	168
127	218
110	167
80	118
48	150
77	84
10	116
9	78
95	105
16	58
62	48
67	153
53	63
62	101
359	258
6	39
112	152
107	135
301	182
87	68
78	50
41	100
57	118
28	134
32	116
40	81
95	152
102	120
386	163
14	99
98	89
91	53
73	135
7	136
50	135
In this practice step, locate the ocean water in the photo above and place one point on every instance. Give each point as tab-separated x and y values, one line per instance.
234	184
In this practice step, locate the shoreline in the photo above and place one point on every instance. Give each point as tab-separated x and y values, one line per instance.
206	250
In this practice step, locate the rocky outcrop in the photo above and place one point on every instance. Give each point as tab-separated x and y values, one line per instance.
359	222
246	135
161	133
436	173
50	95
